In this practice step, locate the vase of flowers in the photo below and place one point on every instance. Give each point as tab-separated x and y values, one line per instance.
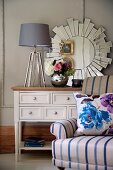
59	80
59	70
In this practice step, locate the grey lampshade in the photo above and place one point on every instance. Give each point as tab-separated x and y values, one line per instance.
34	34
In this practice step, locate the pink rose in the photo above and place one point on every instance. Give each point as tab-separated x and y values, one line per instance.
58	67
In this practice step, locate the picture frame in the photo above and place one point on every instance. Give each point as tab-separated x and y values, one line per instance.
67	47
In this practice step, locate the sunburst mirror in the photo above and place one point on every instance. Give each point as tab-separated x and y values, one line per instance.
90	47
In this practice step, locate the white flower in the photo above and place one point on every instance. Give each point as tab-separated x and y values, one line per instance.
49	69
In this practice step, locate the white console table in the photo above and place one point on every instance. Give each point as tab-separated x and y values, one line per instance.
41	104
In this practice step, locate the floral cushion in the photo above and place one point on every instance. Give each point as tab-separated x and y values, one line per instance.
94	115
109	132
107	101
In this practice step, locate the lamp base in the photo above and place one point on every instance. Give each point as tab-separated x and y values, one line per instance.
35	72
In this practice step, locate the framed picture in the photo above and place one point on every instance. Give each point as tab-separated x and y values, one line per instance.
67	47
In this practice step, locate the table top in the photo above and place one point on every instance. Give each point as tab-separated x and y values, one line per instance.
20	88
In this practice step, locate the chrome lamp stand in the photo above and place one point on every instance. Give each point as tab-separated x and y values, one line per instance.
35	72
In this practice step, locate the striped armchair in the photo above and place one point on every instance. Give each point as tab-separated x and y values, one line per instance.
83	152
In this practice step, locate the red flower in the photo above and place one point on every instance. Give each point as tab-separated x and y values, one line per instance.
58	67
67	66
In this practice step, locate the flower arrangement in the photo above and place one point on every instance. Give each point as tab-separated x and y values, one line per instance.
59	67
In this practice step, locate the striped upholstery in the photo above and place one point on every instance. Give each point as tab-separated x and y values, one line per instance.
98	85
64	129
83	152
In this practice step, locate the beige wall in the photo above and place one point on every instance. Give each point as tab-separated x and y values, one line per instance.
101	13
52	12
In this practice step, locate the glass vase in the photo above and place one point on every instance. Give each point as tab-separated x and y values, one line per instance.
59	80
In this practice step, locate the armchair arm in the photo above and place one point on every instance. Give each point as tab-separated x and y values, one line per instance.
64	129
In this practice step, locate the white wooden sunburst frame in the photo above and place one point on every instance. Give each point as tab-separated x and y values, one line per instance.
91	48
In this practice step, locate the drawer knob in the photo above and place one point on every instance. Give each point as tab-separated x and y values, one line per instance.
68	98
56	113
30	113
34	98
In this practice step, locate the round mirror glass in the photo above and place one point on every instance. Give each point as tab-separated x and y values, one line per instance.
84	52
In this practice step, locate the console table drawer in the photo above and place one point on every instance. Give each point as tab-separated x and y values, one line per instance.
63	98
38	98
31	113
72	112
55	113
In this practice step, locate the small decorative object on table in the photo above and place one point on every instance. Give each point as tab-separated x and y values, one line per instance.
59	70
77	82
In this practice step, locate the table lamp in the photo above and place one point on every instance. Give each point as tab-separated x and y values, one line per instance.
34	35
